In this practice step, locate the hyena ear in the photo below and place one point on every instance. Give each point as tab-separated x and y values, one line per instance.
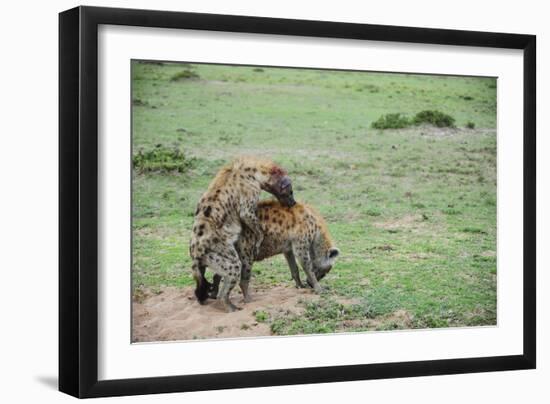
333	252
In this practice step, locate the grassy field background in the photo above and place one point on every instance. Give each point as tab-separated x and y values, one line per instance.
412	210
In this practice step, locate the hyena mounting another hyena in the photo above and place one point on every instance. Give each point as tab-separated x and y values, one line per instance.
229	203
299	232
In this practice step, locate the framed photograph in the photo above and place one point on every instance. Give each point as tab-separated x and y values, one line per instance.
250	201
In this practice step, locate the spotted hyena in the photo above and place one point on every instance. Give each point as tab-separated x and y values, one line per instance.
228	205
298	232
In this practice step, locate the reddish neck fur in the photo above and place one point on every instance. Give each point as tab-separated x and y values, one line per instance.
277	171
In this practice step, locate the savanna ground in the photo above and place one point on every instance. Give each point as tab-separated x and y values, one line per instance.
413	210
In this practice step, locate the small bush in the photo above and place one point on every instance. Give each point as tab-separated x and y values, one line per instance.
434	117
161	159
391	121
185	75
261	316
373	212
470	125
398	121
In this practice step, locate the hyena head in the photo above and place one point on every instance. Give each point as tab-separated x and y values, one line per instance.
323	254
278	183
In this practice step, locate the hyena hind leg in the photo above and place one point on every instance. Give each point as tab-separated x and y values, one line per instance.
228	267
245	280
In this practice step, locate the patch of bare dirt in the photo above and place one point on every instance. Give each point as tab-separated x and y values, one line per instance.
174	314
402	318
403	222
436	132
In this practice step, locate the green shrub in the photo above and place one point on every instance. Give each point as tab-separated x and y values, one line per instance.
470	125
373	212
185	75
434	117
261	316
161	159
391	121
398	121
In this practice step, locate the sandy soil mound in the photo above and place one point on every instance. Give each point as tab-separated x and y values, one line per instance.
174	314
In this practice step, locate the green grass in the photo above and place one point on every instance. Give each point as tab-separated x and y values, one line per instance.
412	210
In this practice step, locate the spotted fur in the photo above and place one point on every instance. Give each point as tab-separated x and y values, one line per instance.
229	203
299	232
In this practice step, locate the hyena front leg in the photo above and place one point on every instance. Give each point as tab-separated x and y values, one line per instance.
228	266
302	252
294	270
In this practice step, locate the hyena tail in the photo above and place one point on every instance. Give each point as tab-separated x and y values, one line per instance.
201	291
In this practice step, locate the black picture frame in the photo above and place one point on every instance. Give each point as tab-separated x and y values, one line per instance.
78	201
